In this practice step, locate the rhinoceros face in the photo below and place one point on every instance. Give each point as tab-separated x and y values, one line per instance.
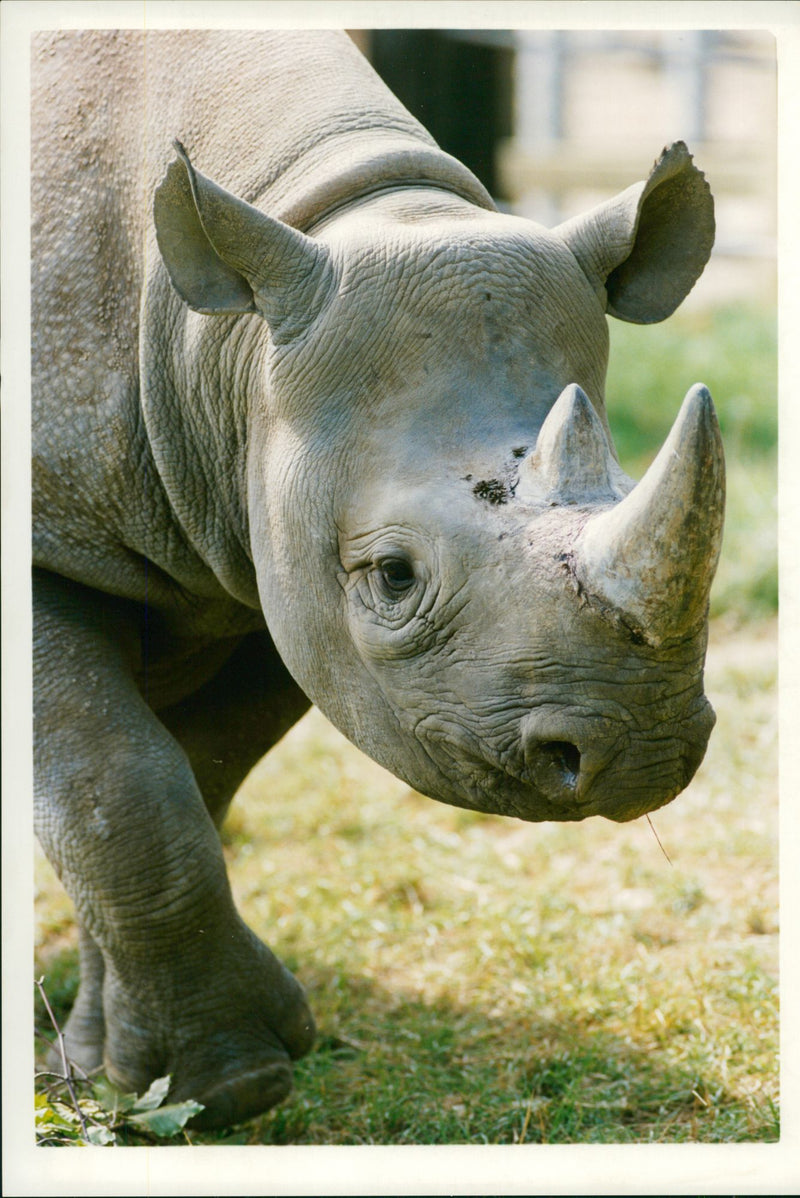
451	561
485	637
522	695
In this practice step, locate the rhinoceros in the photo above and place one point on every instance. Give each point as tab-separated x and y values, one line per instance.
315	423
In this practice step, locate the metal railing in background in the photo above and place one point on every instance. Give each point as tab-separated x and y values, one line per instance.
589	105
553	121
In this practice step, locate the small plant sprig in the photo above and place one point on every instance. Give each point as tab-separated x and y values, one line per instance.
83	1111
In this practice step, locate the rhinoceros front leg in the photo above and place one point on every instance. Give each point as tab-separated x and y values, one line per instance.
187	988
224	728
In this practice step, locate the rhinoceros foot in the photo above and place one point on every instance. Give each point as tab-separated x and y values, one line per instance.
242	1095
226	1041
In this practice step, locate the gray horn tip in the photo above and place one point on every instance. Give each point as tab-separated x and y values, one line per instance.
699	394
576	397
575	392
698	418
572	404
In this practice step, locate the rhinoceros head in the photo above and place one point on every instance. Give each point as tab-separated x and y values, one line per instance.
449	556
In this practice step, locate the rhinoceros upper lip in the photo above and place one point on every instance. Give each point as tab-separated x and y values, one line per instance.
506	789
518	784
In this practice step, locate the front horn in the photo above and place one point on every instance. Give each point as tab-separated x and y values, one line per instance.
652	558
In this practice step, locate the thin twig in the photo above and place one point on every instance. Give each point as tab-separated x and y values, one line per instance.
64	1059
660	845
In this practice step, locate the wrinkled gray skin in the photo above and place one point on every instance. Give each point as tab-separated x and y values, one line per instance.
338	486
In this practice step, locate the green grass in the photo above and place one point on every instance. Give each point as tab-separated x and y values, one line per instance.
733	350
480	980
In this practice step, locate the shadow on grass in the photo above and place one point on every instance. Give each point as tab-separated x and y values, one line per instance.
393	1070
390	1069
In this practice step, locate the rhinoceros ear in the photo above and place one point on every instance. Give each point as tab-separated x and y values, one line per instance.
225	256
644	250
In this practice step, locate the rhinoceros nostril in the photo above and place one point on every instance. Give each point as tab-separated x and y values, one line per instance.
555	766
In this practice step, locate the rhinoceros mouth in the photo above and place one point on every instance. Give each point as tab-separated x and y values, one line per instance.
506	789
611	796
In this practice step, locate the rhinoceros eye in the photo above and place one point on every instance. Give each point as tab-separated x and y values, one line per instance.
396	575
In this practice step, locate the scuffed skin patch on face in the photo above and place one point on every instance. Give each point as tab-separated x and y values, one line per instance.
492	490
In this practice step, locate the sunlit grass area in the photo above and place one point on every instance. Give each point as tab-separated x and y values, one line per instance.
732	350
482	980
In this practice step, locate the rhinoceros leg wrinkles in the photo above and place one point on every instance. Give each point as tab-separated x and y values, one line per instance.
188	989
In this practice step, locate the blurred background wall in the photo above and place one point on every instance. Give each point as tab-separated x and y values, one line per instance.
554	121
